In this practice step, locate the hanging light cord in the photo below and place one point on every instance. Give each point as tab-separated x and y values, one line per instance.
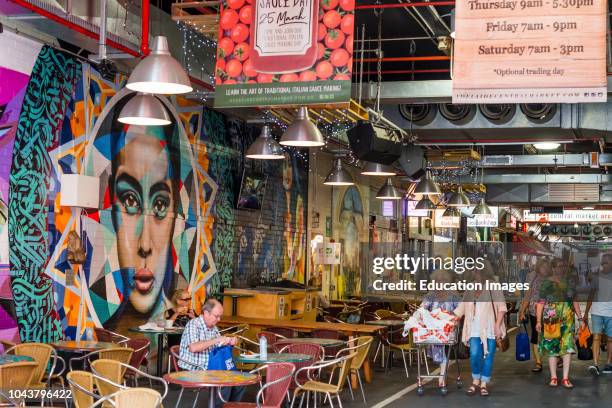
379	53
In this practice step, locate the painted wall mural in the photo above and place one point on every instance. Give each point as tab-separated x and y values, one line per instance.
16	63
351	217
167	215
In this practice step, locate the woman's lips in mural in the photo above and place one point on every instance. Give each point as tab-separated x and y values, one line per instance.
143	280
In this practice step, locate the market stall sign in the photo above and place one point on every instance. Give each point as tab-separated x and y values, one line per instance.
546	210
284	52
531	51
570	216
482	220
446	222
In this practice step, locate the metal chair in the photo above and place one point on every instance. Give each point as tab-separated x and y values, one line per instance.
14	376
361	345
314	386
110	336
139	357
7	344
113	372
234	330
132	397
315	351
396	341
81	384
121	354
328	334
175	358
272	393
282	331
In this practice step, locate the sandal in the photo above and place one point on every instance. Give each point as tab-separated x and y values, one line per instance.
441	384
567	384
537	368
553	382
484	392
472	389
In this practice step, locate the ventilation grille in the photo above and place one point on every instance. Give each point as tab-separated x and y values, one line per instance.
573	192
500	160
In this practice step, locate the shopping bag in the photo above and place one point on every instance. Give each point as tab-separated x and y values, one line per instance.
584	344
221	358
522	345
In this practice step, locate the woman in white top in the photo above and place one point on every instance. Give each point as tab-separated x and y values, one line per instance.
483	322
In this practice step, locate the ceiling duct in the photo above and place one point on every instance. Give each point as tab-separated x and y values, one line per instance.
498	114
457	114
372	143
538	112
419	114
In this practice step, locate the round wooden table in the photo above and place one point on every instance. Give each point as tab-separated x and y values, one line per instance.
11	358
312	340
161	333
272	358
212	379
83	346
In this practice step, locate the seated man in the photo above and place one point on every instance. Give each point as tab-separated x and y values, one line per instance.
199	338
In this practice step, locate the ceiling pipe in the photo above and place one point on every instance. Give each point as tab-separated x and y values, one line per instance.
144	32
92	34
407	59
410	71
75	27
404	5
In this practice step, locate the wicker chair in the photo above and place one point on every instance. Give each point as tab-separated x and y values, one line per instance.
110	336
121	354
314	350
16	376
272	394
81	384
314	386
397	341
7	344
113	372
42	354
234	330
361	346
132	397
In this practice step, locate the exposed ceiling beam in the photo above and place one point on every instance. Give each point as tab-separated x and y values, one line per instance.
541	179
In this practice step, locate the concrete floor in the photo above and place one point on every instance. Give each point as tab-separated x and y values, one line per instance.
514	385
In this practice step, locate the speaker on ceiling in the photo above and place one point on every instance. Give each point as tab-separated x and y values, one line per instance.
371	143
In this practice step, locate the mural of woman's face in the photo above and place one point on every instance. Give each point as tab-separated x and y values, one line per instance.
144	219
287	173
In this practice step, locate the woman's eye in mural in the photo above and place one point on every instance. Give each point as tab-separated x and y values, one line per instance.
128	195
161	203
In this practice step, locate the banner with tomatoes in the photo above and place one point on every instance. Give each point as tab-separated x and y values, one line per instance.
284	52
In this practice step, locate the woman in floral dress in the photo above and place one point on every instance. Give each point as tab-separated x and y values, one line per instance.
555	314
447	301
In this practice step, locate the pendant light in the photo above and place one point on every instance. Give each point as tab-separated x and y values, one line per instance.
338	176
159	72
452	212
144	110
427	185
458	199
389	192
265	147
302	132
482	208
546	145
425	204
377	169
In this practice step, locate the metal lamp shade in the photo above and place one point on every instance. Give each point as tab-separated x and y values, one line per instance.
451	212
389	192
427	186
425	204
144	110
458	199
338	176
159	73
265	147
482	208
377	169
302	132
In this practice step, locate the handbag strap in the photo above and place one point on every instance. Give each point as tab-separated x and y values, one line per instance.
493	306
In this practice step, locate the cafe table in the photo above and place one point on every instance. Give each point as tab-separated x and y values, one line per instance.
386	322
80	346
272	358
312	340
212	379
161	333
11	358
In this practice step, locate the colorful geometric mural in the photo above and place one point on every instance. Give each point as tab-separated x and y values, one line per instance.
49	90
167	215
16	62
